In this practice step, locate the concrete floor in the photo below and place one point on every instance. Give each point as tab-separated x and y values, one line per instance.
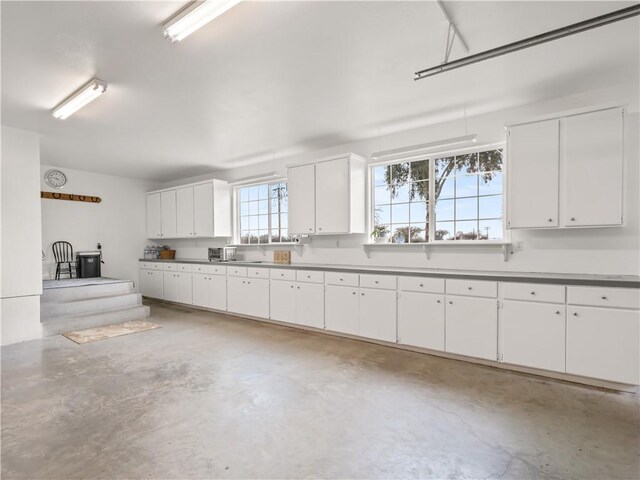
213	396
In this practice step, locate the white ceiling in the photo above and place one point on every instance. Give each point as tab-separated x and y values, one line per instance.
271	78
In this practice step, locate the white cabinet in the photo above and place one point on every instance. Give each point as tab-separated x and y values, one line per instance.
604	343
168	213
327	197
310	304
591	169
203	210
154	216
472	326
566	172
421	320
533	334
301	192
377	314
533	154
177	287
341	309
184	209
210	291
248	296
283	301
151	283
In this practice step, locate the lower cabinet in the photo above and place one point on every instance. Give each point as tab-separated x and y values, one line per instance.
310	305
533	334
421	320
248	296
210	291
472	326
177	287
603	343
341	309
283	301
151	283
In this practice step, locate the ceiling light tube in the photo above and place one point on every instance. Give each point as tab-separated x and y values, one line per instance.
423	148
579	27
195	16
78	99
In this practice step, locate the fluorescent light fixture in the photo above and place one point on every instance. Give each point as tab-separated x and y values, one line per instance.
78	99
424	148
195	16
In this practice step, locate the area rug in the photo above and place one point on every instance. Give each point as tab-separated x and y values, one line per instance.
102	333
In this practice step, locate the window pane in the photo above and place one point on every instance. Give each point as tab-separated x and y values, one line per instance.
244	237
253	193
263	222
400	173
444	231
253	222
263	191
284	220
490	183
443	166
467	163
244	194
253	237
491	207
420	170
419	191
400	213
381	175
444	210
253	208
285	236
490	160
382	195
244	223
418	233
244	208
467	230
445	187
466	186
418	212
263	236
263	207
491	229
382	214
466	208
400	233
400	192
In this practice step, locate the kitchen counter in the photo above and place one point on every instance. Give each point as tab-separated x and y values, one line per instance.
626	281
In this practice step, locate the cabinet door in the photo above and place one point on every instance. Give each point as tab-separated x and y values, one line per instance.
149	283
592	169
184	212
184	288
236	294
257	298
156	289
377	314
154	216
603	343
333	196
283	301
532	173
200	290
472	327
203	210
421	320
310	305
341	309
168	208
533	334
170	283
301	190
218	292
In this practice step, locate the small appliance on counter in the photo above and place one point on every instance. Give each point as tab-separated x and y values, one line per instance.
222	254
88	264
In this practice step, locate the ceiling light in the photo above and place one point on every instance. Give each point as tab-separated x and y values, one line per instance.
88	92
194	16
424	148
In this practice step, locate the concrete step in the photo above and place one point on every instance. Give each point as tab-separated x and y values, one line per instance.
67	294
53	309
59	325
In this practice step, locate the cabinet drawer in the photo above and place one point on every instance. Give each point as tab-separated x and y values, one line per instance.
151	265
472	288
184	267
421	284
201	268
533	292
170	267
282	274
346	279
217	270
310	276
604	297
257	272
237	271
384	282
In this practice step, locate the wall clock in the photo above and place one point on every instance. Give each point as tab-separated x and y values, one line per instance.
55	178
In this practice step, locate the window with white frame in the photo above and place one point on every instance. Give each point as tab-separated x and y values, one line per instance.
262	213
457	197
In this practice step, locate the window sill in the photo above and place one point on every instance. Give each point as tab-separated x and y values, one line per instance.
264	245
504	246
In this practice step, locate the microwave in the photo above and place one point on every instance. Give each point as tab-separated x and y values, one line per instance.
222	254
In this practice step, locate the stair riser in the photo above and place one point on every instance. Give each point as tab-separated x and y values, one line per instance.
87	291
55	327
51	310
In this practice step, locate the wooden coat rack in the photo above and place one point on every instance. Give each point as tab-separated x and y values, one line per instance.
70	196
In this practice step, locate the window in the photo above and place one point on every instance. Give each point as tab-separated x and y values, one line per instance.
467	190
263	213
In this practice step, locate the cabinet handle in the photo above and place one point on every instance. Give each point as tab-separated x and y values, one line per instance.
573	219
557	312
341	279
362	294
575	314
310	229
353	293
319	228
298	288
533	292
308	276
469	288
376	281
291	286
604	297
422	284
437	301
549	219
248	282
450	302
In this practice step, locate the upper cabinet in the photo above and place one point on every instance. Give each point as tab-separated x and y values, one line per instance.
566	172
328	196
201	210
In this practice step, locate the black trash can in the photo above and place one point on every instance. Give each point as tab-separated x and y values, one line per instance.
88	264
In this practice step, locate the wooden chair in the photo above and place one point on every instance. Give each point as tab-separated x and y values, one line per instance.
63	254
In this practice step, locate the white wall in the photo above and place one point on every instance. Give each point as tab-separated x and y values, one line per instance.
20	245
602	251
118	222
